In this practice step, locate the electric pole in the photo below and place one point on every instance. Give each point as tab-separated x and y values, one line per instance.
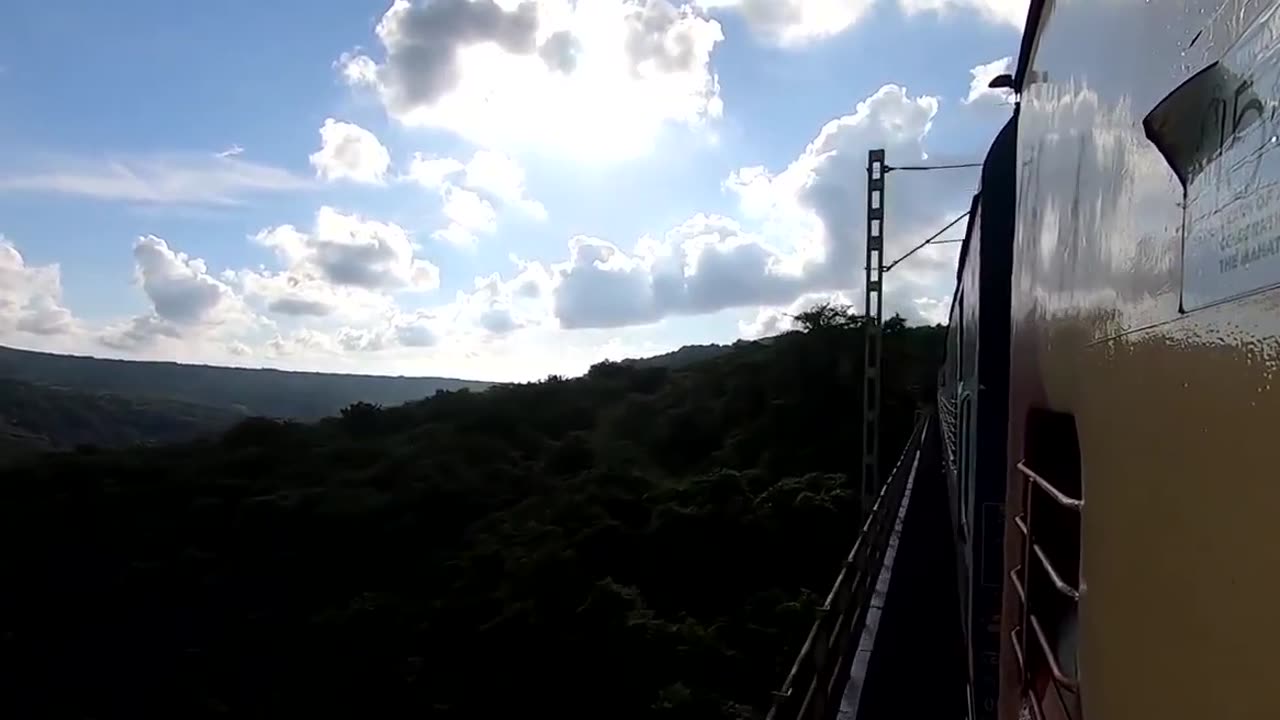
872	308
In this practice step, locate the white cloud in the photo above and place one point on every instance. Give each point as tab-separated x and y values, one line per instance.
468	214
363	340
596	79
499	308
795	22
180	288
301	293
706	264
30	297
981	77
792	23
304	341
232	151
351	152
174	178
187	302
811	224
348	250
417	331
497	174
432	172
139	333
1006	12
338	279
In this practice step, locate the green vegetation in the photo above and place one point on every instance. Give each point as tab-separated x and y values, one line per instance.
270	393
640	542
36	417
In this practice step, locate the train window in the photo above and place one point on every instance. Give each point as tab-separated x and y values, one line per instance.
1049	576
1202	117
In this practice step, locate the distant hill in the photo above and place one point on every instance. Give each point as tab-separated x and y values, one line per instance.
272	393
690	354
658	538
38	417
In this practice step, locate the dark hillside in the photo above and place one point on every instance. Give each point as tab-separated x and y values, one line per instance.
636	543
48	418
271	393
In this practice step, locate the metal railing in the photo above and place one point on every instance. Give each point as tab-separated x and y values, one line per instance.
1020	578
813	688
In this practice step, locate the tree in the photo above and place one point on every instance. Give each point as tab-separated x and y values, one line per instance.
662	536
826	315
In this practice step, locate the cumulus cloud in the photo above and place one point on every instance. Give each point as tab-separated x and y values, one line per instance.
393	329
187	302
180	288
30	297
1012	13
432	172
138	333
348	151
417	331
807	236
597	79
497	174
158	179
981	77
706	264
303	341
349	250
795	22
500	308
467	214
792	23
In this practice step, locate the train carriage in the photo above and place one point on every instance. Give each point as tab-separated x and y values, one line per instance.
973	405
1111	370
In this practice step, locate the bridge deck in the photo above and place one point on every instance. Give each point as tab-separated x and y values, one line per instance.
917	666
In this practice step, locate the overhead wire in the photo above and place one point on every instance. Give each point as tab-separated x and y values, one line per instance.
891	168
930	239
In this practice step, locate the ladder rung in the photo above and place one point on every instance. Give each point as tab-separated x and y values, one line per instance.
1054	577
1017	584
1060	497
1015	636
1058	676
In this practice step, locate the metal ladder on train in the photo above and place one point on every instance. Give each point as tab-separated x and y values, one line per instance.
1032	551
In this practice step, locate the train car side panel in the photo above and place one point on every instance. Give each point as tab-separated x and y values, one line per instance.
1161	363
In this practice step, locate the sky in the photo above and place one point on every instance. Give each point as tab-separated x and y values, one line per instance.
488	189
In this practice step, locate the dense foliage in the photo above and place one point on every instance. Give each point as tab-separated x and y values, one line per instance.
640	542
270	393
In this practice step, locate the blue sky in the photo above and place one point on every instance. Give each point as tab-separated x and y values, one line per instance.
482	188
